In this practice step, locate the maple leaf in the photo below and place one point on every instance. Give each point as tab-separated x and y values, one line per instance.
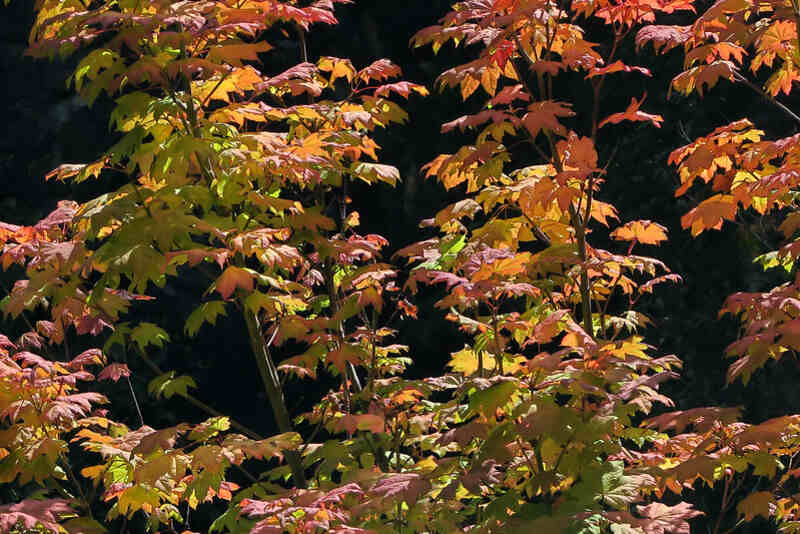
242	447
647	287
33	514
302	71
352	423
209	428
344	354
771	432
756	504
339	68
82	171
646	232
168	384
464	361
701	419
632	113
114	372
702	76
712	51
578	152
488	401
663	519
602	211
208	458
146	334
774	42
234	53
137	497
371	172
544	116
150	440
470	121
617	66
403	89
551	326
29	359
233	278
88	357
406	487
380	70
758	353
509	94
782	80
208	312
462	208
70	407
710	214
63	214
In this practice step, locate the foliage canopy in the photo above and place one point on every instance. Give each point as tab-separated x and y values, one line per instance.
237	163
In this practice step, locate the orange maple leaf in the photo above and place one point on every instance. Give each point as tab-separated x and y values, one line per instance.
646	232
632	113
233	278
544	116
710	214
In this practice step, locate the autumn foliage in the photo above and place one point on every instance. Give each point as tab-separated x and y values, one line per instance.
549	418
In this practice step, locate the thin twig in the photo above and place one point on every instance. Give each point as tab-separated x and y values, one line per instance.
766	96
200	404
135	401
77	484
221	80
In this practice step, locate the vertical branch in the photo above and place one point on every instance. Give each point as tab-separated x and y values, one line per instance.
586	295
498	353
272	387
577	221
87	503
351	376
373	366
723	505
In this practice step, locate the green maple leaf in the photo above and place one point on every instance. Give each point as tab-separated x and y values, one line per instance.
146	334
161	467
619	490
209	428
136	497
606	483
487	401
168	384
118	471
209	458
197	489
205	313
372	172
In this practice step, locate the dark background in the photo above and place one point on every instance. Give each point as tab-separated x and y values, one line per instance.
44	125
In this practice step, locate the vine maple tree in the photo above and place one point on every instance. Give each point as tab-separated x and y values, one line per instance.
556	432
242	177
230	169
755	45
